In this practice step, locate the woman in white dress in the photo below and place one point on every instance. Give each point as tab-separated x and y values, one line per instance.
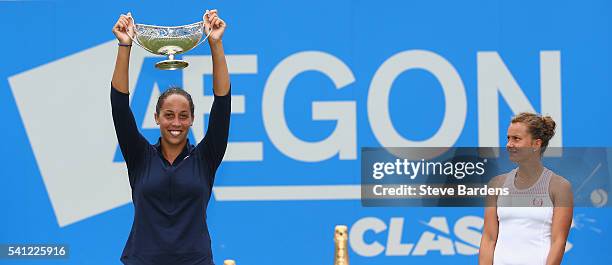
531	225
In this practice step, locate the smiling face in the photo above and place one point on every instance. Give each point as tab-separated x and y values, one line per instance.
174	119
520	145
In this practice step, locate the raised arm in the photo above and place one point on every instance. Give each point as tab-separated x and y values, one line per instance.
221	81
120	75
133	145
212	147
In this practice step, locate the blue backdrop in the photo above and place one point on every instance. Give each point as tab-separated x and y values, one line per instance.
322	67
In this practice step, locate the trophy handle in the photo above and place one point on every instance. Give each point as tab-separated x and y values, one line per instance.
134	40
205	38
204	31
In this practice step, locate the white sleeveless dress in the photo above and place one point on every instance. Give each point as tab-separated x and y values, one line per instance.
524	230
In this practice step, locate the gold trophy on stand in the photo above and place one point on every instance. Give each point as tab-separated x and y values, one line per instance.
341	240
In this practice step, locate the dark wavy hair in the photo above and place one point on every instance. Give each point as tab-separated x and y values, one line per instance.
174	90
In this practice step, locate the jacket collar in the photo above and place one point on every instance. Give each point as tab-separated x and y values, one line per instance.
186	151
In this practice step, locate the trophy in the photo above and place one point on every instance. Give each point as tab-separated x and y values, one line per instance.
341	249
229	262
169	41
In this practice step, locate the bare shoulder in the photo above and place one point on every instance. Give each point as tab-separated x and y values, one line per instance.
560	190
491	200
497	181
560	184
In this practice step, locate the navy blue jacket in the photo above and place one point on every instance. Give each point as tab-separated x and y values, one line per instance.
170	200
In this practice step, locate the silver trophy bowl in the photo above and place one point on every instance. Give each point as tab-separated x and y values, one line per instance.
169	41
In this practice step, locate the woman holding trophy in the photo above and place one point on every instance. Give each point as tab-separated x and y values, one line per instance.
172	180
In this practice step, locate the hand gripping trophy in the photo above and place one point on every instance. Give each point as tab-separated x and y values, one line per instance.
170	41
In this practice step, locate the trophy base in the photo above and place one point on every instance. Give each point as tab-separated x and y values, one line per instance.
171	64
